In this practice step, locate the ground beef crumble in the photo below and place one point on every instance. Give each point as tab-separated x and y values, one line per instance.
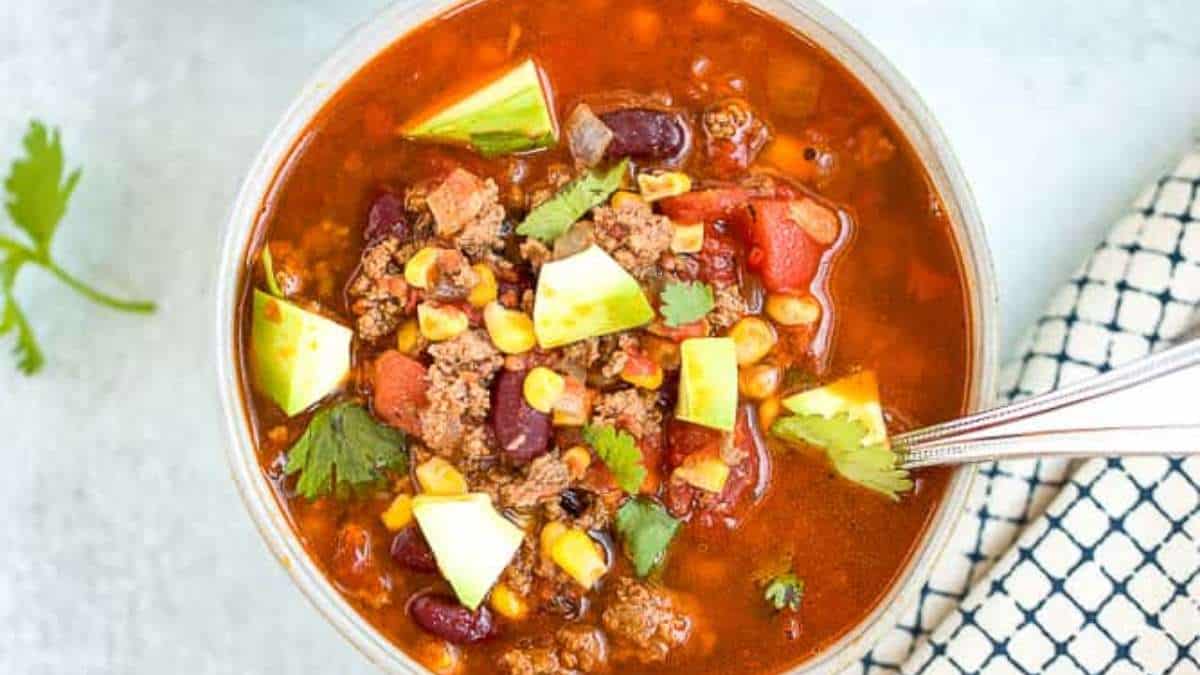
634	410
467	210
643	622
729	306
459	394
544	479
379	294
634	235
576	648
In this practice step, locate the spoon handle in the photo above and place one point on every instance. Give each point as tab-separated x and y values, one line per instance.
1150	406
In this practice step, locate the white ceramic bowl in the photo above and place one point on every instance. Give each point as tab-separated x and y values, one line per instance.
807	17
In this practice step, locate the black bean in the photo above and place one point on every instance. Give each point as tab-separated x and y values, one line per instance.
575	501
643	133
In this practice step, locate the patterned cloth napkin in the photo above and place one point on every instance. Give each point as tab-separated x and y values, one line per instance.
1092	566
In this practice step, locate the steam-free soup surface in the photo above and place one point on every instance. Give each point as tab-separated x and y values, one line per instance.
888	293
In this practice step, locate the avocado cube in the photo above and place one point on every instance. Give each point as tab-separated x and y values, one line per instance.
297	357
708	383
471	542
510	114
587	295
855	396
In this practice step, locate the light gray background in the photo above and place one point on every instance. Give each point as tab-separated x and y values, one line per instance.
123	546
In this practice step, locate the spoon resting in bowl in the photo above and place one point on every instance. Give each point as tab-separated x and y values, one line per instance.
1148	407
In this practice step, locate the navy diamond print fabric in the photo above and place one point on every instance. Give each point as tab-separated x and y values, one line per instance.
1080	567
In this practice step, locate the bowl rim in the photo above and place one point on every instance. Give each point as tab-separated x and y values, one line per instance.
808	18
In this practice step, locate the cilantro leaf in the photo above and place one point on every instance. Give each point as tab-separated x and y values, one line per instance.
548	221
684	303
343	451
36	200
620	454
646	531
37	193
785	592
872	466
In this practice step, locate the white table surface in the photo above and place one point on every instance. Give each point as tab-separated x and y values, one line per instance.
123	546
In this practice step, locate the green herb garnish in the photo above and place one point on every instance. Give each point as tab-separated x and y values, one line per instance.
548	221
684	303
646	531
344	451
619	452
872	466
37	196
785	592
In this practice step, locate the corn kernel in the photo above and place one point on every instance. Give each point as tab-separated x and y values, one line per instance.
646	379
707	472
768	412
759	381
419	268
440	657
508	603
441	322
623	198
577	459
542	388
656	186
399	514
511	330
789	310
550	534
486	290
687	238
408	337
579	556
436	476
753	339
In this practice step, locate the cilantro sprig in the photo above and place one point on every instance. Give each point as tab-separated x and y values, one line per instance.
549	220
684	303
646	531
36	200
344	451
619	452
872	466
784	592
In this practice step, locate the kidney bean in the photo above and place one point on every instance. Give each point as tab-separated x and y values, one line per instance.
643	133
523	433
444	617
387	218
410	550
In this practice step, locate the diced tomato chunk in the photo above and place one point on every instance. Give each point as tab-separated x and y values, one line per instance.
685	438
708	511
679	333
782	251
705	206
718	258
399	385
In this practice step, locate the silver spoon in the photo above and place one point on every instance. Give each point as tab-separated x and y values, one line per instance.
1148	407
